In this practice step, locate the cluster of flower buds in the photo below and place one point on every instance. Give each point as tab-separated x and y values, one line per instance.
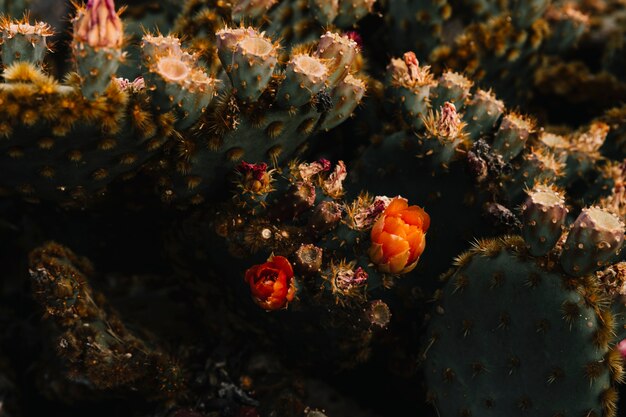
314	240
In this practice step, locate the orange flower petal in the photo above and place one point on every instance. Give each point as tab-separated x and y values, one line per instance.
282	263
393	245
416	216
396	226
398	263
376	253
410	267
396	206
416	243
378	228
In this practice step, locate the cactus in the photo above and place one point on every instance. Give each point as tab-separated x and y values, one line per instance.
185	148
177	100
507	308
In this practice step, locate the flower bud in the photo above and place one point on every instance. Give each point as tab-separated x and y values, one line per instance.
399	237
98	25
272	284
308	259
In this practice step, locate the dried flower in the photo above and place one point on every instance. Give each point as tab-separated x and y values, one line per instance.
399	237
333	186
272	283
254	177
307	171
365	215
348	278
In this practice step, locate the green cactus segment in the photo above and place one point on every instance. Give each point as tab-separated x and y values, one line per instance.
536	167
97	46
325	11
59	146
543	215
510	339
567	25
345	97
250	10
96	67
351	11
305	76
444	136
22	41
420	24
100	351
512	135
451	87
584	150
340	51
226	41
524	12
301	21
175	80
594	239
482	113
253	63
409	86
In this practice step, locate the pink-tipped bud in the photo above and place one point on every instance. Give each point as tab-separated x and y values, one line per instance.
98	25
449	123
412	64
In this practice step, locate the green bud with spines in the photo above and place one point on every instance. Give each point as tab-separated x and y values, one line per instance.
482	113
97	46
340	53
345	96
410	86
226	42
305	76
512	135
155	46
537	167
22	41
176	81
543	216
451	87
567	25
444	136
594	239
253	61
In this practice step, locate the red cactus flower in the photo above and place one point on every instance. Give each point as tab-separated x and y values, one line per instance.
272	283
399	237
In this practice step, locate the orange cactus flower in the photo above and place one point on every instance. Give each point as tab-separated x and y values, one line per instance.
272	283
399	237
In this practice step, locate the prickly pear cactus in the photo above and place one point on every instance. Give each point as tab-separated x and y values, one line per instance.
522	328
